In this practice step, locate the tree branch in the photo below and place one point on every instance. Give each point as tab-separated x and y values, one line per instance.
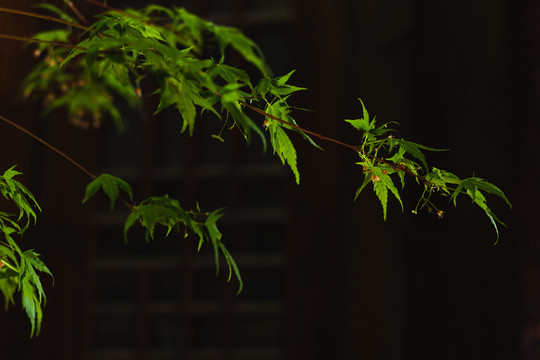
76	11
62	154
44	17
320	136
357	149
39	41
35	137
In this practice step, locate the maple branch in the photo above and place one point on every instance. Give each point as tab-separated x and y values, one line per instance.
39	41
35	137
320	136
62	154
77	12
41	16
357	149
103	5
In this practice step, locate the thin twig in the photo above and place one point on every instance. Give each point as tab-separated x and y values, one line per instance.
44	17
77	12
357	149
62	154
104	6
39	41
320	136
35	137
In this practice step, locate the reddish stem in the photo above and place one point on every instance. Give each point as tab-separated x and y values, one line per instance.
103	5
31	40
357	149
17	126
77	12
41	16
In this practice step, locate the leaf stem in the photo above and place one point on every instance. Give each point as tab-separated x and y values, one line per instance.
35	137
9	266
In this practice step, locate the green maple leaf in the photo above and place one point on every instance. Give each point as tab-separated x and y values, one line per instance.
382	193
8	285
246	47
414	149
184	104
281	110
58	35
367	180
9	252
473	187
283	147
152	212
247	125
30	262
167	212
57	11
230	74
214	234
148	215
160	210
279	86
215	238
382	182
275	86
232	267
12	189
364	124
31	305
32	293
111	185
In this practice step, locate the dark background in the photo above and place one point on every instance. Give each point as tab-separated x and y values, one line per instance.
459	75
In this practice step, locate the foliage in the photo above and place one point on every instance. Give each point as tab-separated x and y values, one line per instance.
92	71
165	211
111	185
18	268
383	156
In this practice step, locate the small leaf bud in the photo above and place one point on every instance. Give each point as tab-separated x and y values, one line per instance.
440	214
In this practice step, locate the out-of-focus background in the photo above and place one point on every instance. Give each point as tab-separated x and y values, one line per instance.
325	277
